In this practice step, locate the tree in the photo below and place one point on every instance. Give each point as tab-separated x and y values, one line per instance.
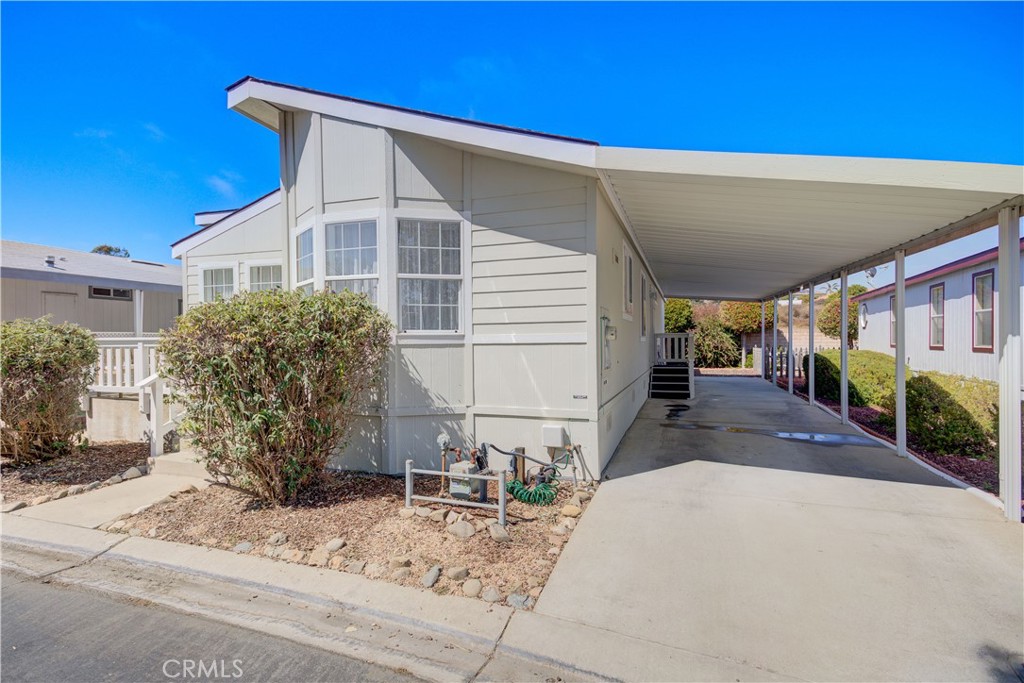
713	346
108	250
678	315
829	319
744	317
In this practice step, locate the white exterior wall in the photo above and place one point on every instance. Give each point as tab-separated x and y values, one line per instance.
28	299
957	357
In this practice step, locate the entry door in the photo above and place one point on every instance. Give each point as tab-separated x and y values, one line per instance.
61	307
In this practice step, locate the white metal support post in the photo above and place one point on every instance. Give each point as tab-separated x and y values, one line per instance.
844	349
764	358
1008	300
901	353
775	339
810	343
790	370
139	310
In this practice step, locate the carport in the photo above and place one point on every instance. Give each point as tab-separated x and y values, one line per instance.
758	227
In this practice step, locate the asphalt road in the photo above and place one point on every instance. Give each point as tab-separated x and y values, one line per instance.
55	633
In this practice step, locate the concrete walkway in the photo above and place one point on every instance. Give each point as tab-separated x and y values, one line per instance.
785	555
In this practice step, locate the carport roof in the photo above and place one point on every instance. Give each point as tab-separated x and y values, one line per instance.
712	224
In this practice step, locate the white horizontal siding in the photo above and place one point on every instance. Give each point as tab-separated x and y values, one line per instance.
539	376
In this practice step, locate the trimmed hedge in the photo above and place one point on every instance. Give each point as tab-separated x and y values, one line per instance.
44	371
872	376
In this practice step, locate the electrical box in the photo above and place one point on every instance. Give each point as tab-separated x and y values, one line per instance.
611	332
463	488
553	436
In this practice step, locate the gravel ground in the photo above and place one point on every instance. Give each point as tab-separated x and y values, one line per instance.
98	462
364	511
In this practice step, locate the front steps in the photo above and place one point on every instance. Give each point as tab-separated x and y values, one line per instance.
671	381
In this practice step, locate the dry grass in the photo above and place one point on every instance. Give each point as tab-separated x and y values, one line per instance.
97	462
363	510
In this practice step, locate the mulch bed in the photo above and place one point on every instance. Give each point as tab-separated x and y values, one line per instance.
364	510
98	462
982	474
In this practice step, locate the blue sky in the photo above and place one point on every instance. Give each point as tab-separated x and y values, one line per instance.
114	126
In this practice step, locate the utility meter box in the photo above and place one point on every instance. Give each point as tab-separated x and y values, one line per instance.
553	436
463	488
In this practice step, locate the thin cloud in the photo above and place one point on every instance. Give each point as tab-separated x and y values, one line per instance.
156	133
224	183
94	133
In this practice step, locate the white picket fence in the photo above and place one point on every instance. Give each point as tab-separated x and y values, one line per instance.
123	363
782	359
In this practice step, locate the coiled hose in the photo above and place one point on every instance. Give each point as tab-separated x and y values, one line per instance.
540	494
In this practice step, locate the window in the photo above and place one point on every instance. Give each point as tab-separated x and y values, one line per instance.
892	321
218	283
429	275
863	316
264	277
304	261
352	257
627	282
110	293
983	321
937	317
643	306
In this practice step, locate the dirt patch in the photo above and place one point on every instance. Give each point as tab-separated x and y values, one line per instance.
363	510
98	462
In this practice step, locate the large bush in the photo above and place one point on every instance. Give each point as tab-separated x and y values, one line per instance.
829	316
744	317
951	415
678	315
271	381
872	376
713	346
44	371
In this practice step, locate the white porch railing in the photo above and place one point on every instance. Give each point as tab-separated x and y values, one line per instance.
674	348
123	363
153	392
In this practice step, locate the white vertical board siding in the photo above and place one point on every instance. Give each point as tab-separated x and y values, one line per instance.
957	357
363	449
417	438
429	376
25	299
353	162
257	239
426	172
304	163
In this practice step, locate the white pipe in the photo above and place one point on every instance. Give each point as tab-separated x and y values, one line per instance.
810	343
763	357
1009	362
844	349
790	370
900	304
775	338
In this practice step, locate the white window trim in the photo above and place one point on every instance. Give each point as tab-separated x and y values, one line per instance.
218	265
293	270
645	316
627	253
249	265
336	217
466	292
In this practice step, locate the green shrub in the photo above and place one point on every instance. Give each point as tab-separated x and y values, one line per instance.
44	371
678	315
950	415
713	346
271	380
829	316
744	317
872	376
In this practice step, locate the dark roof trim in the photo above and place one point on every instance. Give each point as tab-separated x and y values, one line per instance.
418	112
952	266
203	213
75	279
233	212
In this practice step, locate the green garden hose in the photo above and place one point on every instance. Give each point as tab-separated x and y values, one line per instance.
540	494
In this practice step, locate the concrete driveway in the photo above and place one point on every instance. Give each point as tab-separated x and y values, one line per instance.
785	557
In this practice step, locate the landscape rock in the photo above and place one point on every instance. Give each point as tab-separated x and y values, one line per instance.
319	557
422	511
132	473
243	547
559	530
478	525
76	489
401	573
534	581
399	562
11	507
461	529
535	592
116	479
499	534
152	532
134	532
490	520
472	588
355	567
117	526
60	494
491	594
334	545
93	485
519	601
452	517
583	495
431	577
553	551
438	515
457	573
278	538
187	488
39	500
336	562
568	522
273	551
571	511
293	555
374	570
139	510
576	501
406	513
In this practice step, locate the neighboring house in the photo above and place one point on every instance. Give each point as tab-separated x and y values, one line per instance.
106	294
495	267
952	326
